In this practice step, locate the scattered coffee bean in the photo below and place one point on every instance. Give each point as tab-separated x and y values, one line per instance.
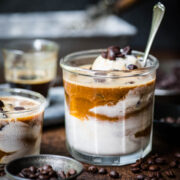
2	173
173	164
114	174
170	120
45	173
160	160
102	171
71	172
1	104
132	67
61	174
154	167
140	177
150	161
177	154
144	166
135	170
19	108
147	178
157	174
92	169
170	173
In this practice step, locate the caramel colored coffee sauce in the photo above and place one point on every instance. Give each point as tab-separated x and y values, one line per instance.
80	99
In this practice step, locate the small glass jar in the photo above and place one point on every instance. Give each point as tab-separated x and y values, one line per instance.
108	114
21	119
31	64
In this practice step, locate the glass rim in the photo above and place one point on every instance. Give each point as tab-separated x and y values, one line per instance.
41	99
108	73
9	46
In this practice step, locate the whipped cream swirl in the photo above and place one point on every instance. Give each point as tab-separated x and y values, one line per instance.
117	59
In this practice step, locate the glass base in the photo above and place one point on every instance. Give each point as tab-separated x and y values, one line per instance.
109	160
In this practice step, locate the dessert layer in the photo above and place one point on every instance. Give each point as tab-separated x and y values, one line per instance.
109	138
105	103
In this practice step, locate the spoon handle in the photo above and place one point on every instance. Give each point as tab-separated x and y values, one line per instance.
158	13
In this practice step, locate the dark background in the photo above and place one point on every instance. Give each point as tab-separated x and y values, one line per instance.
139	15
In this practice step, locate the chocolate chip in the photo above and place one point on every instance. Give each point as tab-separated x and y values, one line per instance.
173	164
135	170
160	160
114	174
102	171
140	176
92	169
104	54
170	173
132	67
1	104
19	108
154	167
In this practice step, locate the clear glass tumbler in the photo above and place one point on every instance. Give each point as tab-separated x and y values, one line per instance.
31	64
108	114
21	118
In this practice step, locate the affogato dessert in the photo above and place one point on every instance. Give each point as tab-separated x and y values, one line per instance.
109	106
21	121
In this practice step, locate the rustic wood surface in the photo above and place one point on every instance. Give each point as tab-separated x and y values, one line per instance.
53	142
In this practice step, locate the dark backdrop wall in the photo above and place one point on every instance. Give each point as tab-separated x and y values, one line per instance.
139	15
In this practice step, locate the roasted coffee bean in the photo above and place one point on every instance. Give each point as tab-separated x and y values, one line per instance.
19	108
137	164
32	169
154	167
111	55
135	170
170	120
114	174
132	67
92	169
154	156
1	104
173	164
144	166
157	174
150	161
61	174
170	173
147	178
126	50
53	178
140	177
71	172
104	54
102	171
160	160
115	49
177	154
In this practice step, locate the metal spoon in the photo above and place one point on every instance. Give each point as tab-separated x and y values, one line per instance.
158	13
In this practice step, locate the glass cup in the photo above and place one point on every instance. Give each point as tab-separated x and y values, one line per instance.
31	64
21	118
108	114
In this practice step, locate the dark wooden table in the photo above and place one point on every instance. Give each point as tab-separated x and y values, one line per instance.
166	144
